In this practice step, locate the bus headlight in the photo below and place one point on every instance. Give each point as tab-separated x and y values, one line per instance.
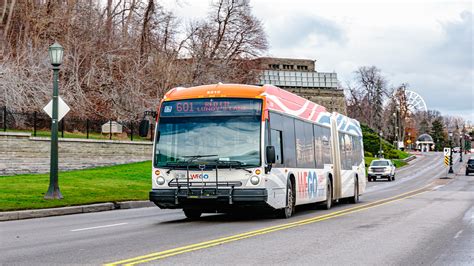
254	180
160	180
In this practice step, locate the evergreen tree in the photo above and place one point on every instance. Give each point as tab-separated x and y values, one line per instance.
437	134
424	126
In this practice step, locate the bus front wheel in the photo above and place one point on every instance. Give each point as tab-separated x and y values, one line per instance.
192	214
286	212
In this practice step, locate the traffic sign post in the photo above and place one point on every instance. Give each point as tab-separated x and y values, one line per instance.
447	151
63	108
448	159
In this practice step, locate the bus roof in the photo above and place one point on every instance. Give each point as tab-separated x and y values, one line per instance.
275	99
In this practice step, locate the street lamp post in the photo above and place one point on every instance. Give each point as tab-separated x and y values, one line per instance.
450	135
396	129
461	144
56	58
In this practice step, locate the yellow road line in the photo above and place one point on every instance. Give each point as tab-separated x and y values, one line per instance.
219	241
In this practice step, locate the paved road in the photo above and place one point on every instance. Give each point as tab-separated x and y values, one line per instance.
425	225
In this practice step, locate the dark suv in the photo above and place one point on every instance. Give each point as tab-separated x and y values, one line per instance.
470	166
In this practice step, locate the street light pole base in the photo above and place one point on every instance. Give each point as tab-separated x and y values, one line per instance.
53	194
450	170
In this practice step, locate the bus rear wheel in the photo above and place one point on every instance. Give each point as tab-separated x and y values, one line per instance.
192	214
328	203
354	199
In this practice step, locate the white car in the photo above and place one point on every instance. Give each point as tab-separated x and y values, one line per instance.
381	169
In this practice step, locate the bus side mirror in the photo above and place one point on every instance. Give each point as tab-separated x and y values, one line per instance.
270	152
143	129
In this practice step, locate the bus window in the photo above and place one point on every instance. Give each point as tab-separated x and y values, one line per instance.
276	137
276	121
288	130
325	140
309	145
318	146
342	150
349	151
304	144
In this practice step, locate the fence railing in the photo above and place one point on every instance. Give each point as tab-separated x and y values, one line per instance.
39	124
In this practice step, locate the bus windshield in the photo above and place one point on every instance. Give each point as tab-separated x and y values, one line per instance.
230	135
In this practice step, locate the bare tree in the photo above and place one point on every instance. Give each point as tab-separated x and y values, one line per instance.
367	96
221	44
121	55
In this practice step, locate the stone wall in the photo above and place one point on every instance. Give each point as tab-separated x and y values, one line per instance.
333	100
20	153
268	62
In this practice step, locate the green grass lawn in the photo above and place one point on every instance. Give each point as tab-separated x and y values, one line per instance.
81	135
103	184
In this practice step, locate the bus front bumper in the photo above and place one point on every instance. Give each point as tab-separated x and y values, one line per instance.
208	200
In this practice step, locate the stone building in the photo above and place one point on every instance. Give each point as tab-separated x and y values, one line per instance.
300	76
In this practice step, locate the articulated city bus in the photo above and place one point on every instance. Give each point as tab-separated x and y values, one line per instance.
223	147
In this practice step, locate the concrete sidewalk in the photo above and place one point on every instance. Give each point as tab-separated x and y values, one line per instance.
107	206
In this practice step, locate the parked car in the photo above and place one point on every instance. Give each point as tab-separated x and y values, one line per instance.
381	168
470	166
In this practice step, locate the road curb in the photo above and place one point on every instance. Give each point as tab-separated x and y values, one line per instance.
411	158
98	207
134	204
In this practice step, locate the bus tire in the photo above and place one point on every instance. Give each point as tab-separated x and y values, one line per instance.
286	212
355	199
192	214
328	203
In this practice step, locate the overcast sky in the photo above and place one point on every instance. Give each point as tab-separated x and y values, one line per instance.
427	44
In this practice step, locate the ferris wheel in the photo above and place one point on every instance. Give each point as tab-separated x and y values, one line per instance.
415	102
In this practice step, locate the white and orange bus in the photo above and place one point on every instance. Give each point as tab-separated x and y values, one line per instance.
222	147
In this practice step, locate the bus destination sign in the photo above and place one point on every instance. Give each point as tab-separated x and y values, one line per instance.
217	107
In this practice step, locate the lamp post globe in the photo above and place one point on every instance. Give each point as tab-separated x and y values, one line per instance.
55	52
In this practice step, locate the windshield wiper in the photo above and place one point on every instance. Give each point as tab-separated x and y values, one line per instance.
194	157
186	163
236	164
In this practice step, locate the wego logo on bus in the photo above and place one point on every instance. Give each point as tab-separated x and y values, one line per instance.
198	176
308	184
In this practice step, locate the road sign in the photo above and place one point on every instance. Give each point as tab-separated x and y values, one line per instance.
409	141
447	151
63	108
446	160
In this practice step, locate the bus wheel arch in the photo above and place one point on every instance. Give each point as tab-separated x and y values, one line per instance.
355	199
329	193
290	199
292	180
331	183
